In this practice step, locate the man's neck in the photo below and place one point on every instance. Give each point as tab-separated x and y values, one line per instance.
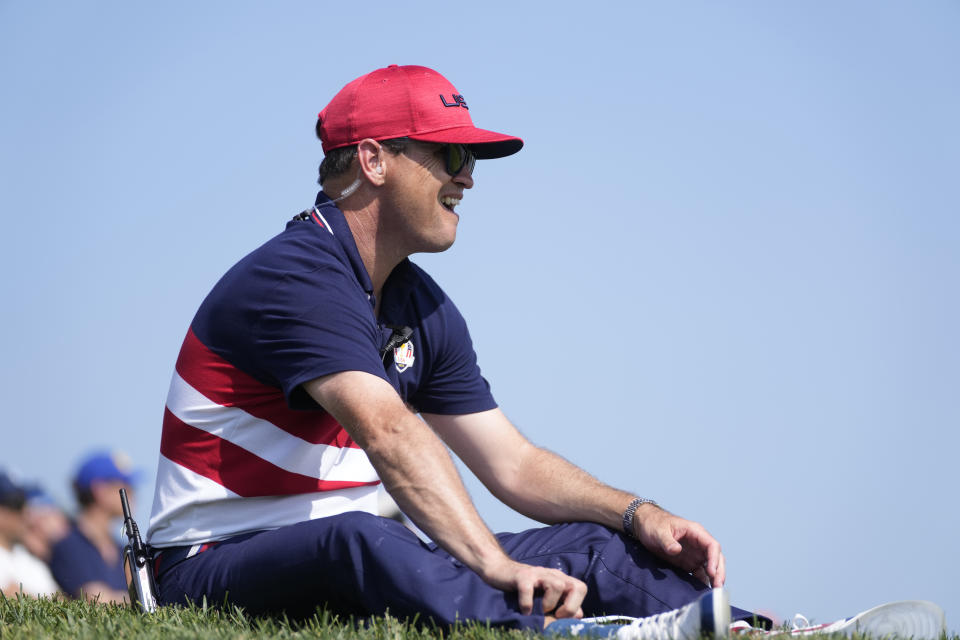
380	254
94	523
6	542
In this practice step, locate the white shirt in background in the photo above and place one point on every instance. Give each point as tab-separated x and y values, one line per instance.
20	567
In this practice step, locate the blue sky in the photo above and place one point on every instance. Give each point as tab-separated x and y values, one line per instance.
722	273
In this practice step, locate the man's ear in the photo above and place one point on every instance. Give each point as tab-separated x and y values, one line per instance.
371	157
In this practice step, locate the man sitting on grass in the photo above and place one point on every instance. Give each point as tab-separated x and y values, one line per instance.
325	362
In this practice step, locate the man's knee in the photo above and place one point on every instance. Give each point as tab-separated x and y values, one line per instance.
357	527
348	523
355	539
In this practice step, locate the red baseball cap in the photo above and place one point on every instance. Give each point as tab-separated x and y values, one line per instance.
410	101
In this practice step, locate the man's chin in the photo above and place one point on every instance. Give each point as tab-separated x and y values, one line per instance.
439	245
439	248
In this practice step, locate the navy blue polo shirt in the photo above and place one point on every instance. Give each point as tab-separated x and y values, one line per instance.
301	306
75	561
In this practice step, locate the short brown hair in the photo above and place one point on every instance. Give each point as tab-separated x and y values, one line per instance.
338	161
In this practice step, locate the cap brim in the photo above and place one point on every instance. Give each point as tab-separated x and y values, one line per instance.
132	478
486	145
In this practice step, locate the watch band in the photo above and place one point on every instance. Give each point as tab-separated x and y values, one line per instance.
632	509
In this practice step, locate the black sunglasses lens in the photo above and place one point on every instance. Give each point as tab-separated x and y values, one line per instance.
459	157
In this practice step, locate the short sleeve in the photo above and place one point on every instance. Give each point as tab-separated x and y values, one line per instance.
314	324
453	385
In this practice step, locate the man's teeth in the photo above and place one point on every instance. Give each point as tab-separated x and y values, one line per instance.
449	201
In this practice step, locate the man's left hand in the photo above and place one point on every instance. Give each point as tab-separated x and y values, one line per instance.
683	543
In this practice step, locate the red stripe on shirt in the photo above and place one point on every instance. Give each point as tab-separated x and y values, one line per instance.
227	386
234	467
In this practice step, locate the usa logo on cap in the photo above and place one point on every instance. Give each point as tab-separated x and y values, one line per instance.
407	101
403	356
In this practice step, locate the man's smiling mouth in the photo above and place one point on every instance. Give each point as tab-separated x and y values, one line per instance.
449	202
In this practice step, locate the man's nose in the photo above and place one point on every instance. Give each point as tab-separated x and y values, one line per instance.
464	178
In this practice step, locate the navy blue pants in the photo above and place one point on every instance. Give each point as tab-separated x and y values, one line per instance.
357	564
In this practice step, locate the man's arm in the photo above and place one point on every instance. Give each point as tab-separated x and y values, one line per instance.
543	486
97	591
416	469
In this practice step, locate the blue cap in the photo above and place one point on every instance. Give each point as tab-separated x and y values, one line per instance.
37	495
12	494
105	466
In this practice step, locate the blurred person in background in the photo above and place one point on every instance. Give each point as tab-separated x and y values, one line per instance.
88	561
20	570
46	522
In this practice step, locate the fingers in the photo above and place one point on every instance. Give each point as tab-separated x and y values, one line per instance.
668	542
713	563
562	595
712	573
525	588
552	592
686	544
563	590
573	596
720	576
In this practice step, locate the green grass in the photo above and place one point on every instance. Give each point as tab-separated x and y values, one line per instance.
46	618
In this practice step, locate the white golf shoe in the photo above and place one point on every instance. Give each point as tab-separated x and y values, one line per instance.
706	617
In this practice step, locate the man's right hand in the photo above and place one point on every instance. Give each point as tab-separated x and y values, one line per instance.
562	594
417	471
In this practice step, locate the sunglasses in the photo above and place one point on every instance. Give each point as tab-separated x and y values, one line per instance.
458	158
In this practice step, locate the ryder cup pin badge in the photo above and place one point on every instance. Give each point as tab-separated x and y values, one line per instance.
403	355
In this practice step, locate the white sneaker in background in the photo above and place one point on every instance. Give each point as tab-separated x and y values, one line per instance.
915	619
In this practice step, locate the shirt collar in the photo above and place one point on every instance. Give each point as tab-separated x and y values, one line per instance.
401	279
341	231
